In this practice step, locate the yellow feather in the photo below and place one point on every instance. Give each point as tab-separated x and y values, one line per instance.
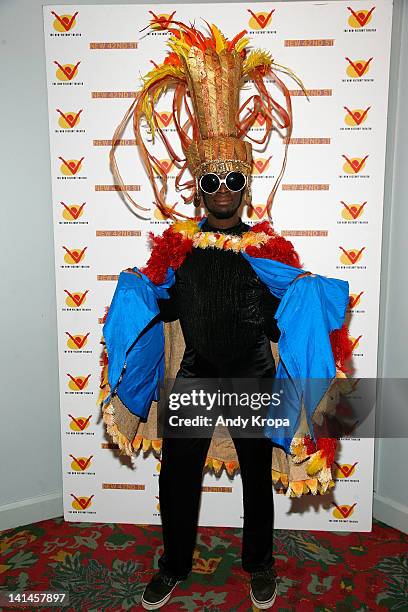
220	40
315	463
157	73
241	44
256	58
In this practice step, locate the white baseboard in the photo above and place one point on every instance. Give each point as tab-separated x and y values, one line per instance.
390	512
49	506
30	510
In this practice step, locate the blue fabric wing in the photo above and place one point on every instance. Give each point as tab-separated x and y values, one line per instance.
309	310
135	345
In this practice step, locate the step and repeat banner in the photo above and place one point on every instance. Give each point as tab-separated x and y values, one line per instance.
329	204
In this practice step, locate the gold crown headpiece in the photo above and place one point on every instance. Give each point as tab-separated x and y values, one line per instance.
207	74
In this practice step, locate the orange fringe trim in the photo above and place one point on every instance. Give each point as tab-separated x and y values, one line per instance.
291	488
321	483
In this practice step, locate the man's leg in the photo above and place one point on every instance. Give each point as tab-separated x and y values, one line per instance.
255	460
180	484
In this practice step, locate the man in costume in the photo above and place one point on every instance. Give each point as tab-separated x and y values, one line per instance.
213	296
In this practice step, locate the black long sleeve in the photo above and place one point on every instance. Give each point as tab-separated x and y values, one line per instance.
169	307
269	306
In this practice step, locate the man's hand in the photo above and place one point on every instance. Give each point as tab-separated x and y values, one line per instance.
133	272
301	275
304	274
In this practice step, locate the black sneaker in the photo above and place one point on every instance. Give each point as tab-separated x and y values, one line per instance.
263	588
158	592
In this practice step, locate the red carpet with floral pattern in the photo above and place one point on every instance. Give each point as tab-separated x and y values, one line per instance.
105	567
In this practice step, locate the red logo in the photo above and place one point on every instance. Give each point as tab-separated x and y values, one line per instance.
74	256
354	165
75	300
351	256
80	464
72	212
165	165
68	119
81	503
70	167
360	18
66	72
261	164
64	23
352	211
77	341
343	512
345	470
161	21
79	423
356	117
259	20
354	299
357	68
78	383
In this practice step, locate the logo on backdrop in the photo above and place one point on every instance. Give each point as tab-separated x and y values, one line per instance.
351	257
256	211
70	167
164	118
357	68
82	503
355	117
343	512
359	19
355	300
66	72
260	165
162	20
79	423
64	23
81	464
69	119
260	20
352	212
78	384
76	299
344	470
353	165
165	165
77	342
72	212
74	256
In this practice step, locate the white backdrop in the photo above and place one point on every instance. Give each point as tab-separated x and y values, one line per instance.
329	204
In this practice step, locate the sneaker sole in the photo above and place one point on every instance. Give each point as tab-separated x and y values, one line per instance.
147	605
263	605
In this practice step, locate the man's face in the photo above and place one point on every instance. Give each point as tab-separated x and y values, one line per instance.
224	203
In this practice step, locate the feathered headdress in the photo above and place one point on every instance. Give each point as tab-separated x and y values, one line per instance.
207	74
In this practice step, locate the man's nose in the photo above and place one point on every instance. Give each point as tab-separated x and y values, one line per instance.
224	188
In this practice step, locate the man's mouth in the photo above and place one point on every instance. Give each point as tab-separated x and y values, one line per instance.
223	201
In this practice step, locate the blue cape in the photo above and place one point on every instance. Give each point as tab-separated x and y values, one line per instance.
309	310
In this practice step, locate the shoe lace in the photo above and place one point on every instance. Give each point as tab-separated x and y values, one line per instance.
269	572
169	580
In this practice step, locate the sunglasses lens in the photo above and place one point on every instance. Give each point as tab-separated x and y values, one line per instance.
235	181
210	183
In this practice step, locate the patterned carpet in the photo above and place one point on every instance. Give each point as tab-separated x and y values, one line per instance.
105	567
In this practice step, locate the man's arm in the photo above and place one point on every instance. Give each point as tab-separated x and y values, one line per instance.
270	305
168	307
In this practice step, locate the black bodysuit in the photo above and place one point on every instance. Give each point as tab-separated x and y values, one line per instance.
226	313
